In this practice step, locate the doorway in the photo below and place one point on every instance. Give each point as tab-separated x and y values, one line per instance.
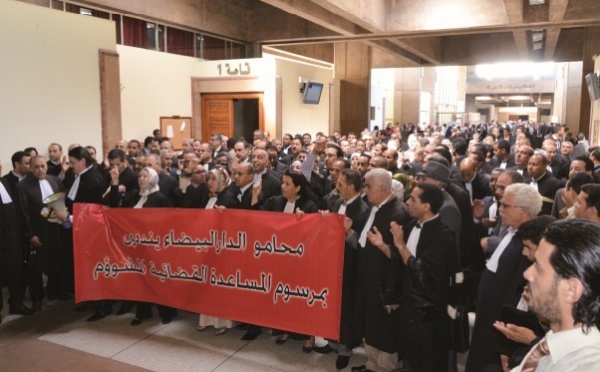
233	115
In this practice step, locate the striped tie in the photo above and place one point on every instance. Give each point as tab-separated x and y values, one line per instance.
540	351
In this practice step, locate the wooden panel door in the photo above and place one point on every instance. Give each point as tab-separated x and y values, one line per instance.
217	117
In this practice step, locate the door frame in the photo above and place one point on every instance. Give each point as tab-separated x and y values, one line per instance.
231	96
233	86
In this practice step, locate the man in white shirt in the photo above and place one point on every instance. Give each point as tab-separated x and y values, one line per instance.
563	286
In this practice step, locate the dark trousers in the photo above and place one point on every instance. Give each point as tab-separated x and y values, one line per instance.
144	311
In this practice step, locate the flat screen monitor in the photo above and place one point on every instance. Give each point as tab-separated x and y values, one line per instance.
312	93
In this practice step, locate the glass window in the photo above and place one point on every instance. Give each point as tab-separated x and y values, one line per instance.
56	4
117	19
135	32
72	8
213	48
180	42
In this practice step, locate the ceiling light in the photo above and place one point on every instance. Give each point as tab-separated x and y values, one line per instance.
538	45
536	2
483	98
537	36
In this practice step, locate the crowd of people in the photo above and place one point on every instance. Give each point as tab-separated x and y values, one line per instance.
501	219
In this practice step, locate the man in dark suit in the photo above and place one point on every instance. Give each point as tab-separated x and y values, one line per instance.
196	190
425	259
270	183
502	280
275	165
477	183
88	187
55	153
43	234
522	156
243	178
349	185
11	252
503	158
559	165
128	180
377	281
543	181
166	184
20	161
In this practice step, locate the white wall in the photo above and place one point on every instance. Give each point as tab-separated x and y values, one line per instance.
298	117
153	84
49	78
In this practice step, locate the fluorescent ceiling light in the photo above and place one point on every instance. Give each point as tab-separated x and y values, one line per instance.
519	98
514	70
483	98
536	2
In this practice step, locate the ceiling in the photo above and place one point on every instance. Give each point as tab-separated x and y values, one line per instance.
409	33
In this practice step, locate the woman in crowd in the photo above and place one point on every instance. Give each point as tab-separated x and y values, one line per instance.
148	196
218	196
294	198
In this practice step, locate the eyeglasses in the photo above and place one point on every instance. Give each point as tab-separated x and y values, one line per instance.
504	205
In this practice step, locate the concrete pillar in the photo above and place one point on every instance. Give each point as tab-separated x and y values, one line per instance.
591	47
352	62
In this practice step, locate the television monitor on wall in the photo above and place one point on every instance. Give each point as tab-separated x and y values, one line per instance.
312	93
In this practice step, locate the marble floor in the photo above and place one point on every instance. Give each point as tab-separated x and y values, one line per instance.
59	339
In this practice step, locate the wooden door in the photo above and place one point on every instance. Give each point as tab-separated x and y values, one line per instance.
217	117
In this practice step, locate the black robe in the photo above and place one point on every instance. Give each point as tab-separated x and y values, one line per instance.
378	284
358	212
11	250
49	255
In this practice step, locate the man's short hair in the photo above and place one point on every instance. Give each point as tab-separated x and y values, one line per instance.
577	180
459	145
432	195
534	229
576	255
60	147
589	164
18	157
337	148
381	177
504	145
593	195
525	196
354	178
515	177
116	154
148	141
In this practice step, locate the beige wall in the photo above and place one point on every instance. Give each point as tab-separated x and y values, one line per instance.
595	115
298	117
49	74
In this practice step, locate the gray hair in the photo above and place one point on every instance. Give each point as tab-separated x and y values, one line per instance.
381	177
526	196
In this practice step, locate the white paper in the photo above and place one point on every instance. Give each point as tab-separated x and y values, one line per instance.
182	127
170	131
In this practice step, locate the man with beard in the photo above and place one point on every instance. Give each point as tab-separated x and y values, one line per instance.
563	289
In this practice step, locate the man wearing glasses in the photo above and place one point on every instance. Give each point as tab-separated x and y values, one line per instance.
502	280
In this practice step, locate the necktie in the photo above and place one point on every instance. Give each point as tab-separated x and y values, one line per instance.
363	236
540	351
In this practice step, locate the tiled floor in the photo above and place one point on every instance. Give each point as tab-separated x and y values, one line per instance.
59	339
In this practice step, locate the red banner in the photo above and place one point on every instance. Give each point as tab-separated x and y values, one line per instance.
263	268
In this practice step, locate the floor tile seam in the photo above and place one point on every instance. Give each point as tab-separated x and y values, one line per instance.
229	357
137	342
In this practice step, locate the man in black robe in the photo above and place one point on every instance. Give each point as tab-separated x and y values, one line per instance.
348	185
41	232
378	284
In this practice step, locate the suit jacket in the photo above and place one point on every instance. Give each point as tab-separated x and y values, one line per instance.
34	224
358	212
271	185
168	186
495	289
53	169
12	181
132	197
378	283
525	173
558	204
427	275
192	196
246	202
509	163
468	246
547	187
451	217
280	168
481	185
277	204
560	167
224	199
11	252
91	188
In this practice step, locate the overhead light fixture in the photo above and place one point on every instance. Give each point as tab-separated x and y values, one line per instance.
483	98
537	2
538	45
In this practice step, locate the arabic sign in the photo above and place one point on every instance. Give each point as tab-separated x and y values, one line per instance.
255	267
